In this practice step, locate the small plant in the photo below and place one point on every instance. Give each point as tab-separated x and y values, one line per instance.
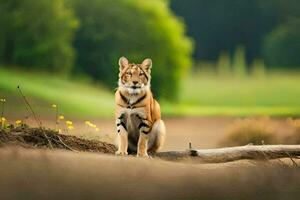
56	115
29	107
2	111
18	123
69	125
255	131
3	122
59	119
92	125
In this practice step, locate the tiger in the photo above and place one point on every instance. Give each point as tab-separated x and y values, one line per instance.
140	128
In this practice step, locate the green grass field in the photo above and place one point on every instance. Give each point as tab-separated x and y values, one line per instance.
74	98
275	95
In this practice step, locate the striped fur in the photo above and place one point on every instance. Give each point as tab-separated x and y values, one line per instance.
138	119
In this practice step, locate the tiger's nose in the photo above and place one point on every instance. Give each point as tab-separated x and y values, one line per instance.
135	82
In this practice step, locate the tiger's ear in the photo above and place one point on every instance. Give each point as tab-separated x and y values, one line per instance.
123	63
147	64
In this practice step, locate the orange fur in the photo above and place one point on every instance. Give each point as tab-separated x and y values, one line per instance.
136	110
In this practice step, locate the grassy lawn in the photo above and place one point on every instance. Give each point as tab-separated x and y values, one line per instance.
275	95
72	97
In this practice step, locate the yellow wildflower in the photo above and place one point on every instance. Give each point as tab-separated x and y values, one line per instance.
3	119
59	130
61	117
90	124
18	122
3	100
70	127
69	123
54	105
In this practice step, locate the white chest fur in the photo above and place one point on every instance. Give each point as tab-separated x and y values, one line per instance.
133	99
133	111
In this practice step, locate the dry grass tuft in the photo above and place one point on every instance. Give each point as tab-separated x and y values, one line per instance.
294	137
254	131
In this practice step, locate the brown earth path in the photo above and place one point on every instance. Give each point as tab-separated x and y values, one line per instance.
202	132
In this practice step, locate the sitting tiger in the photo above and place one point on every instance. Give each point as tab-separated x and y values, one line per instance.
138	119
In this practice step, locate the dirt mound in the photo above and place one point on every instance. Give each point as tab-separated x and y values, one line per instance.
45	138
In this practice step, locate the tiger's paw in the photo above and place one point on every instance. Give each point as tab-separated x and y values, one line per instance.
121	153
142	155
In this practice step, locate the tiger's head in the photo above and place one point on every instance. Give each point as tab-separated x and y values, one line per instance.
134	78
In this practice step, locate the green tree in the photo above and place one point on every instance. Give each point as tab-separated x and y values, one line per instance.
282	46
135	29
219	26
37	34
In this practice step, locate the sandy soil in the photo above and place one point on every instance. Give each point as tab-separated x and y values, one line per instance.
34	174
44	174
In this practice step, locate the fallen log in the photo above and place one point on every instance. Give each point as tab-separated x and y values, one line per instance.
227	154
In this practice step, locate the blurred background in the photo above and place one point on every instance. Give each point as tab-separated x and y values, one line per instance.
225	72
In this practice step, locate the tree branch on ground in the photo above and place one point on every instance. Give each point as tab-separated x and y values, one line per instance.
227	154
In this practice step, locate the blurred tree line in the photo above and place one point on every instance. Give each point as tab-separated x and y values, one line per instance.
268	29
135	29
79	36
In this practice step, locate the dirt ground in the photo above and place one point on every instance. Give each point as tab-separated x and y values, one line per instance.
202	132
28	174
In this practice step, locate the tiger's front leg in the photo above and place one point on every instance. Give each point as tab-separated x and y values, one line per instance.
144	128
122	136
